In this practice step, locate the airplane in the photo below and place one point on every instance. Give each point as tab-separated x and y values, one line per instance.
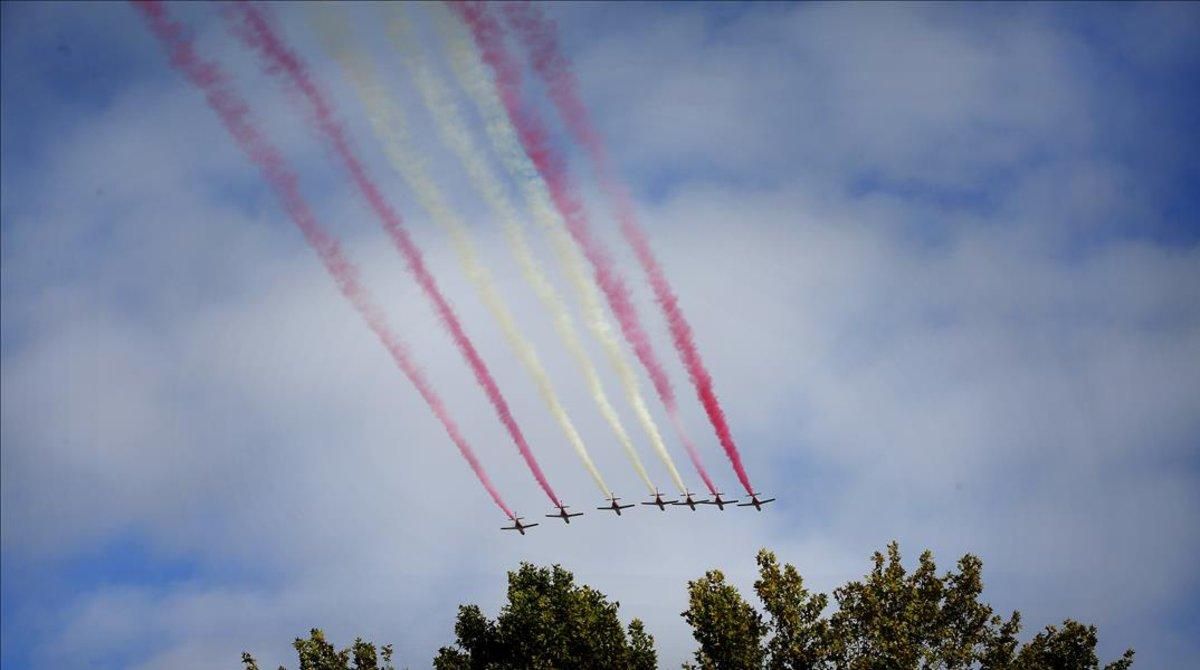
614	506
518	526
659	502
689	500
755	502
718	502
563	514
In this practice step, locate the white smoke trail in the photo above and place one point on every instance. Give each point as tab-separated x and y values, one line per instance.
467	69
389	124
454	131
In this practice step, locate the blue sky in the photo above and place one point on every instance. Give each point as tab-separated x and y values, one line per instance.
942	261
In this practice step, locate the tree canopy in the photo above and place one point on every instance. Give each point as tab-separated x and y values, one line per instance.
316	653
548	622
891	619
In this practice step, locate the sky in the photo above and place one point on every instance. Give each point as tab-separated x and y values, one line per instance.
943	262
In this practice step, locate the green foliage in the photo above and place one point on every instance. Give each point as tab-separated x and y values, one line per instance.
548	622
890	620
316	653
641	648
800	637
1070	647
730	632
897	620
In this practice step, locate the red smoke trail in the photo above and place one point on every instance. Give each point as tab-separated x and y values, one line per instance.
235	114
539	38
489	38
256	31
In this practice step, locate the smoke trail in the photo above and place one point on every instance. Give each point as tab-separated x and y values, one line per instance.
235	115
387	120
489	38
538	36
467	69
258	34
454	132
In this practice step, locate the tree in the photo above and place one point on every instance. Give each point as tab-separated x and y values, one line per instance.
800	637
892	619
548	622
896	620
1072	646
316	653
730	632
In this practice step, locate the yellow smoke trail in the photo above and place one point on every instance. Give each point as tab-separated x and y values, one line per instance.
455	133
467	69
388	122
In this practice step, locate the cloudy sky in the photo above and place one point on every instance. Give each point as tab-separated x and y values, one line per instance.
943	263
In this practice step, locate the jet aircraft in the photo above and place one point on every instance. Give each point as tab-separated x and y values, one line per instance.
659	502
689	500
755	502
719	502
518	526
563	514
614	506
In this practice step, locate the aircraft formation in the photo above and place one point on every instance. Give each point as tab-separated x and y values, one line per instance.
689	500
466	69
